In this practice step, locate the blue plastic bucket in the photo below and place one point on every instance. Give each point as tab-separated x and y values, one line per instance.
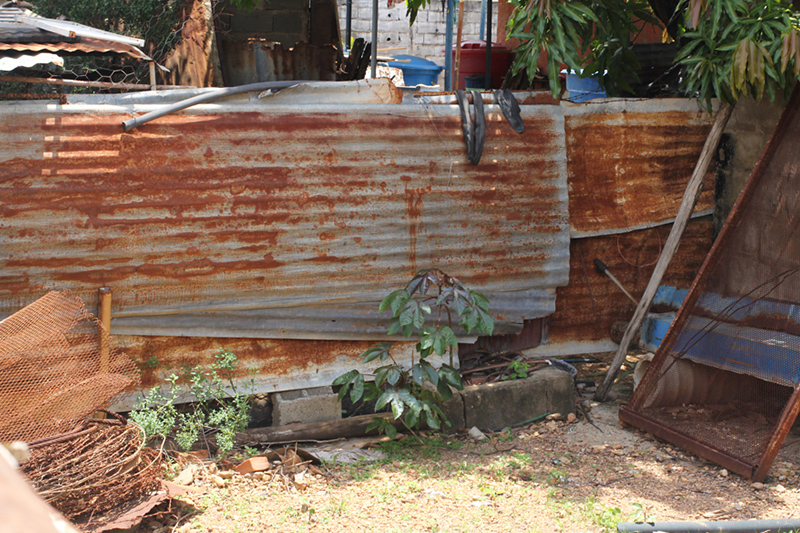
582	89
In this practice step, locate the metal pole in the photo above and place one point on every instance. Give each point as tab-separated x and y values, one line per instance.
374	60
448	47
728	526
488	85
483	20
348	25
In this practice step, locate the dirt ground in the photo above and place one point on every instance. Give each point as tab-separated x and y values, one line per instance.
555	475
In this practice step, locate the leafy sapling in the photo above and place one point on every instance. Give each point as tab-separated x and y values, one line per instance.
517	370
218	405
427	307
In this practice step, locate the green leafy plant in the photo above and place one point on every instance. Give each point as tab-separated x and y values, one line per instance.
427	307
211	386
735	48
517	370
591	37
608	518
728	48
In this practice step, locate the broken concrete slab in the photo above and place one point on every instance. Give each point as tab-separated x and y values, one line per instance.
494	406
306	406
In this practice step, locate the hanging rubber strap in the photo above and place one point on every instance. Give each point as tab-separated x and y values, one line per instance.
474	132
510	108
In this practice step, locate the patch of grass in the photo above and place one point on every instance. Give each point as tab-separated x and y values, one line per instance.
609	517
427	447
338	507
362	471
556	476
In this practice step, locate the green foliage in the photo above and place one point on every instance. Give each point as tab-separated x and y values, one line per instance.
427	306
517	370
729	48
158	414
735	48
592	37
413	7
155	21
608	518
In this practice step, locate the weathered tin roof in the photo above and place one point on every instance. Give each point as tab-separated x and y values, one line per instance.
241	219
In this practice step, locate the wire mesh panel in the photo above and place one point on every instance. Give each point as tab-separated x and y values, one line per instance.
724	381
56	367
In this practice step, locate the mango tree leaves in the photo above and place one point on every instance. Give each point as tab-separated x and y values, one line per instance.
352	379
407	391
381	350
437	339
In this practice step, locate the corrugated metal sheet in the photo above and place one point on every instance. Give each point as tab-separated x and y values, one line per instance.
256	60
9	63
241	219
85	46
266	365
588	307
629	162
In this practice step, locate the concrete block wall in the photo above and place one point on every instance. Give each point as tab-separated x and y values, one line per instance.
424	39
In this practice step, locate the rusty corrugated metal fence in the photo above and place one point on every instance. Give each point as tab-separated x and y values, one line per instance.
242	219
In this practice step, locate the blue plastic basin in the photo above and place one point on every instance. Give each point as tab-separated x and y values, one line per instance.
418	70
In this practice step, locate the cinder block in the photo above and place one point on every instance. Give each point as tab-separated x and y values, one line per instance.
305	406
428	27
429	38
494	406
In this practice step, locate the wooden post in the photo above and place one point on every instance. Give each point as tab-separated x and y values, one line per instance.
690	196
104	314
152	75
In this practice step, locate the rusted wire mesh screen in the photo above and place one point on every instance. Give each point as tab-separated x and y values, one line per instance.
56	367
727	369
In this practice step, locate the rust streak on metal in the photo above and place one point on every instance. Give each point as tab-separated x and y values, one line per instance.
586	309
629	169
269	357
199	205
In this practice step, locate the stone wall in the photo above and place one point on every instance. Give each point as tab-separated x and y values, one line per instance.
424	39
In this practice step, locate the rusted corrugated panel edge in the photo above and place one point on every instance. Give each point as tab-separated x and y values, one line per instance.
266	379
336	322
237	206
577	234
651	105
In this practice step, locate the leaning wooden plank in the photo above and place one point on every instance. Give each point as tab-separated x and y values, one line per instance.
355	426
690	196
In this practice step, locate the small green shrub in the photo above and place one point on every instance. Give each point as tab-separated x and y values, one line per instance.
159	416
517	370
416	392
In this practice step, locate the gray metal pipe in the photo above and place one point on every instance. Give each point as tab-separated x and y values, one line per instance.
721	526
132	123
483	20
348	25
374	60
